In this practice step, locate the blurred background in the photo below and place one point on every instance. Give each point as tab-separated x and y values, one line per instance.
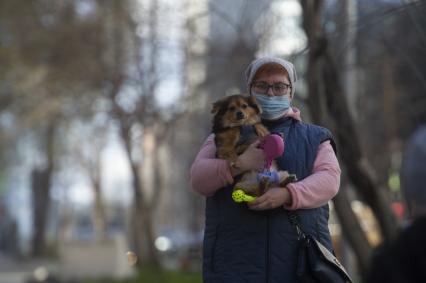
104	105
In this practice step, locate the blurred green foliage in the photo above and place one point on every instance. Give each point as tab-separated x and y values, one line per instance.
152	275
394	182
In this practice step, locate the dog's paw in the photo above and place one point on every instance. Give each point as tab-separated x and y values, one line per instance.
291	178
261	131
263	185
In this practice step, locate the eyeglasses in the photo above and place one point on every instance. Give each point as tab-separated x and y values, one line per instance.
277	88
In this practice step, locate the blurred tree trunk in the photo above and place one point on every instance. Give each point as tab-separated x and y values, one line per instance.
87	151
40	185
99	217
143	212
351	153
352	230
350	224
161	132
142	227
324	83
144	57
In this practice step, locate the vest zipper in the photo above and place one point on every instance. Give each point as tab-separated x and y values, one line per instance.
268	245
213	250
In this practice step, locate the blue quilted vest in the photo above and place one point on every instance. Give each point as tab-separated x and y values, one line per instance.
241	245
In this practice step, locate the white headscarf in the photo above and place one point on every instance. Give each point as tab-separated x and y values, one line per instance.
256	64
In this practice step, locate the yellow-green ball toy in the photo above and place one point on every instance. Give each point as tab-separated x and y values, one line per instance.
240	196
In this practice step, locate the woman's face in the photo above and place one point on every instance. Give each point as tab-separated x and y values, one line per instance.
277	79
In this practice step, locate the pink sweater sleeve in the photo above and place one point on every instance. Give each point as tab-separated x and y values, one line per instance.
208	173
319	187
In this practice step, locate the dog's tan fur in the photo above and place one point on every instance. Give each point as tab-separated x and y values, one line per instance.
226	124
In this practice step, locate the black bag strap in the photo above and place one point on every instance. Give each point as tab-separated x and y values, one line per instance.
294	220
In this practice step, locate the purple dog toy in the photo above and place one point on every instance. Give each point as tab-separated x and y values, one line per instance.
273	147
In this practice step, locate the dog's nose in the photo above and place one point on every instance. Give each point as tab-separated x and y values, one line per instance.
240	115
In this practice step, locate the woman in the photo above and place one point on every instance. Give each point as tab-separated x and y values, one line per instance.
255	242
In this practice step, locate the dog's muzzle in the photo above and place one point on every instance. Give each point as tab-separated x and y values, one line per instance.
240	115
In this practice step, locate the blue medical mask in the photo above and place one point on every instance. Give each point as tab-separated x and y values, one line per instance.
273	107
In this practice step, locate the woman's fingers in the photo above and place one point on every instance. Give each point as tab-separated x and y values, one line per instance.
255	144
252	158
272	198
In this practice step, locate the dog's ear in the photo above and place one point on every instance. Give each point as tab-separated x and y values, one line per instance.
216	106
251	100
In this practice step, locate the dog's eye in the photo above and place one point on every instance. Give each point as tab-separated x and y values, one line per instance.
232	108
244	106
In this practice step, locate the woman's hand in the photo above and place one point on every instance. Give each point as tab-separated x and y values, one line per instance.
253	158
272	198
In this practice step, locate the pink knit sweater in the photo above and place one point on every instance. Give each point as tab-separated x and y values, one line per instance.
208	174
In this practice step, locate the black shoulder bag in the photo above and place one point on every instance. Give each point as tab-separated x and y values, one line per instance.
316	264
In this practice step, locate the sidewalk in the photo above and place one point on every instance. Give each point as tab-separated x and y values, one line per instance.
16	271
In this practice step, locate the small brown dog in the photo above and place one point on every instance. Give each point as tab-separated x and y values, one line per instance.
231	114
237	124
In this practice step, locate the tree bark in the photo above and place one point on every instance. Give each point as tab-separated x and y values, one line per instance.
41	181
99	217
324	84
143	216
351	153
352	230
